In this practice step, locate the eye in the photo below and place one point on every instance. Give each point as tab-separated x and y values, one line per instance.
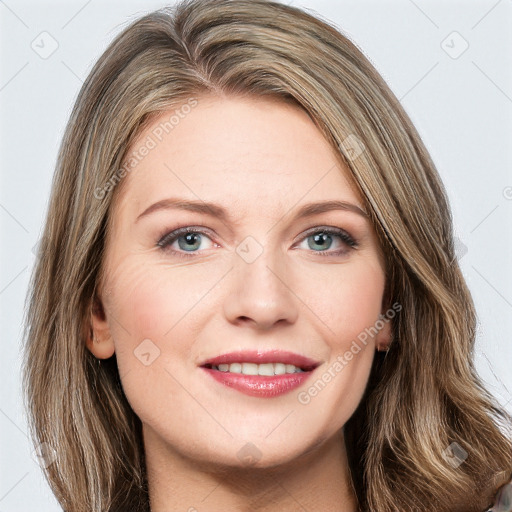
189	239
319	240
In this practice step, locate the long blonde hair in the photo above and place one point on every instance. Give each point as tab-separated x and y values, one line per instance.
422	396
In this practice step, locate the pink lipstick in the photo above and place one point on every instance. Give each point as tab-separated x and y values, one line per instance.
262	374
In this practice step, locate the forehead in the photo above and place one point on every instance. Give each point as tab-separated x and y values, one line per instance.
251	152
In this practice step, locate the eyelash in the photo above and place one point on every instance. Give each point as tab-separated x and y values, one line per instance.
167	239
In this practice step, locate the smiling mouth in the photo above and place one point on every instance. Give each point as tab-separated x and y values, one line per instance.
263	369
265	379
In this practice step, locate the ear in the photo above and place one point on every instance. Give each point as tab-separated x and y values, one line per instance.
99	340
383	337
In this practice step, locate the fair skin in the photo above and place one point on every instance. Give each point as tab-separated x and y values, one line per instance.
261	160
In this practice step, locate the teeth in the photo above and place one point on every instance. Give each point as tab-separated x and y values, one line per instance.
267	369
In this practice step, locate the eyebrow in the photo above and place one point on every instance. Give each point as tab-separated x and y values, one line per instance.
215	210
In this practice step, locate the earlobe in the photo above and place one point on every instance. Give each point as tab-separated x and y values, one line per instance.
383	338
102	348
99	339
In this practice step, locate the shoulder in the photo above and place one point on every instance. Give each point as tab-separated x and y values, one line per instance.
503	500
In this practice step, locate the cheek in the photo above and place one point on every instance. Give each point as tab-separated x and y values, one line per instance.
347	299
145	299
349	303
154	309
141	308
352	305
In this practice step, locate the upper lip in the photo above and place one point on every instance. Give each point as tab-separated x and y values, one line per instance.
261	357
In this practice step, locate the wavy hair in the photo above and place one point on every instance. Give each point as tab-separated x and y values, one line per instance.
423	394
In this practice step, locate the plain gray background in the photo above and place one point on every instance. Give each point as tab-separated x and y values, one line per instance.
450	63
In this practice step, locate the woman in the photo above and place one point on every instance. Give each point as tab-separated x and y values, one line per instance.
247	296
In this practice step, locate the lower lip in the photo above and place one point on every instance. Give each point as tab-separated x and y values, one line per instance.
259	385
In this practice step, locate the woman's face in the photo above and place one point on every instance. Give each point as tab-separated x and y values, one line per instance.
257	278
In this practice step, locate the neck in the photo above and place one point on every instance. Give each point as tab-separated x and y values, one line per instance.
317	480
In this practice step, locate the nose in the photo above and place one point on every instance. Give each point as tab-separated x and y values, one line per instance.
260	293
